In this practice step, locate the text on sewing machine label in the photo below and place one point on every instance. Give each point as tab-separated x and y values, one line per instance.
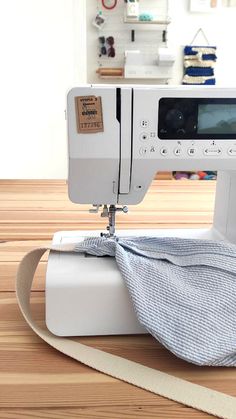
89	114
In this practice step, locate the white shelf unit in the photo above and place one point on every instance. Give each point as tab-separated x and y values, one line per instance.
147	24
129	34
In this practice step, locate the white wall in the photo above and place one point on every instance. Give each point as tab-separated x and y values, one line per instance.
43	53
41	47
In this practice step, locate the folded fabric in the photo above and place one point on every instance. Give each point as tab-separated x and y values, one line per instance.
183	292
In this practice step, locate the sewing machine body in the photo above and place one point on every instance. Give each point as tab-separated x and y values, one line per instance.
116	166
86	295
145	129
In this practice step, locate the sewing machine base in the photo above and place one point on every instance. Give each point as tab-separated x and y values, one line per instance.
86	295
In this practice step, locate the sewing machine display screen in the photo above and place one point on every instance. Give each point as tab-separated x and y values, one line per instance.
197	118
217	119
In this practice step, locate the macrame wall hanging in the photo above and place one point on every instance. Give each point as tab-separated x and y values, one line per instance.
199	62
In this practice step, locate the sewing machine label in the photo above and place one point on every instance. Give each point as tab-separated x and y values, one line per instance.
89	114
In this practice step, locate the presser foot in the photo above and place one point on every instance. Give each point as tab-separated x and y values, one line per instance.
110	213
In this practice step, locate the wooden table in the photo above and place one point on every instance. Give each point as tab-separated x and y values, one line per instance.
38	382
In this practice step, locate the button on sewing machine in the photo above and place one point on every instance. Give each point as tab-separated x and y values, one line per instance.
143	151
191	151
212	151
164	151
177	151
144	123
163	131
181	131
232	151
144	136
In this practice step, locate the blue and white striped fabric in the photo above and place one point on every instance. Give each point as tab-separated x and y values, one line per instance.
199	65
183	291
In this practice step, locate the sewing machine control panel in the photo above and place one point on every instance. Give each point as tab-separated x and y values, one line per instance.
151	145
180	127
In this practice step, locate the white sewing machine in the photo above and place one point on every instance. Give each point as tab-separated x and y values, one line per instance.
119	137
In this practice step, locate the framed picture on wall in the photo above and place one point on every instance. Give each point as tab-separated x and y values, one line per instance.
203	6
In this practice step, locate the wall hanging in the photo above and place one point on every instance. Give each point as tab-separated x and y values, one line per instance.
199	62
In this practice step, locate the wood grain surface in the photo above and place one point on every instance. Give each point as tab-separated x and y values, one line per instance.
38	382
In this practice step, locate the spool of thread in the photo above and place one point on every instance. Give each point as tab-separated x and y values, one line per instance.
181	175
194	176
209	177
201	174
109	71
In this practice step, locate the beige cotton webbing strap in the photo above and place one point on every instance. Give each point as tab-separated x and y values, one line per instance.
189	394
